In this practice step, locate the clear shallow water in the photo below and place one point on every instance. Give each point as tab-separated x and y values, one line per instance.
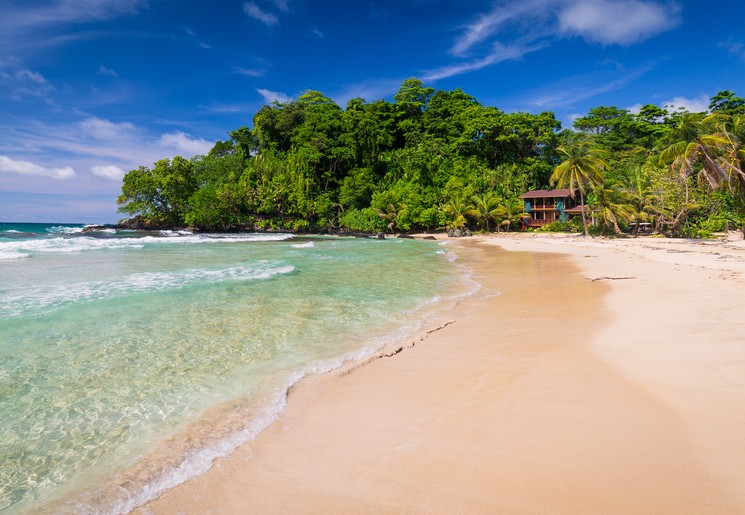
128	362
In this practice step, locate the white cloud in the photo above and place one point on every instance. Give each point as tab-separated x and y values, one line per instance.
255	12
185	144
317	33
699	104
635	109
534	24
110	172
274	96
101	129
8	165
622	22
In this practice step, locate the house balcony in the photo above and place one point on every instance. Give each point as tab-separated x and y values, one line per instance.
537	223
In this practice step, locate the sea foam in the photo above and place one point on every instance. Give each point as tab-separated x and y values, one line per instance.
10	250
36	299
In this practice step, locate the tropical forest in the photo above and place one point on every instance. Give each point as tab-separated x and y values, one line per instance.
435	160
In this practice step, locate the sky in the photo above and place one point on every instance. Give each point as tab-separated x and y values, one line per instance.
90	89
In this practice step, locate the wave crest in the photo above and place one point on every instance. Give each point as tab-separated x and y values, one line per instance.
36	300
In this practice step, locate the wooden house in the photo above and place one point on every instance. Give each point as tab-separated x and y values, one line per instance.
546	206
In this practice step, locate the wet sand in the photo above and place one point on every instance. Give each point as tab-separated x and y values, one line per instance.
560	395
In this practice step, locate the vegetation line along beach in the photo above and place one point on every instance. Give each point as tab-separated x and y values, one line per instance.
436	159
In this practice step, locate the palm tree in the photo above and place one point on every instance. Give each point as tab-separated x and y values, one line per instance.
389	213
581	169
514	210
697	138
485	207
733	160
610	208
457	209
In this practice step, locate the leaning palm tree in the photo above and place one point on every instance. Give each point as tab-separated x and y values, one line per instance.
485	207
697	139
733	158
581	169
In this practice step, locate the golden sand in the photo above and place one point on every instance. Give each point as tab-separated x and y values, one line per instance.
560	395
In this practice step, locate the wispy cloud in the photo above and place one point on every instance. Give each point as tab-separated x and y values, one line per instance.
575	89
23	83
282	5
512	29
101	129
8	165
230	108
29	25
71	11
273	96
254	11
489	24
370	90
734	48
499	54
102	70
103	147
251	72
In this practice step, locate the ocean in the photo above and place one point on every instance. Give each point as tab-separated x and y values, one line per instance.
129	361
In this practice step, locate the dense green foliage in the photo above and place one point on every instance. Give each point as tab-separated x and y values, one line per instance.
439	159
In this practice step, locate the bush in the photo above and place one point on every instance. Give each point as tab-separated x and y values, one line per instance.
364	220
559	226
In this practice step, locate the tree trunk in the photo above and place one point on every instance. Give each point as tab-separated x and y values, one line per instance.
584	218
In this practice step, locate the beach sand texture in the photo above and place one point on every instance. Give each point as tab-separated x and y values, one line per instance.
559	395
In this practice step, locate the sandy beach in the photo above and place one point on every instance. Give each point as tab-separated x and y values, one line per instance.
607	376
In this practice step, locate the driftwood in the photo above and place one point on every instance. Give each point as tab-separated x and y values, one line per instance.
605	278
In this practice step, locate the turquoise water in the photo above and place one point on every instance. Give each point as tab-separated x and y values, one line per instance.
129	361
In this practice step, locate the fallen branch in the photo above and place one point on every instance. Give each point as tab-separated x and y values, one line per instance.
605	278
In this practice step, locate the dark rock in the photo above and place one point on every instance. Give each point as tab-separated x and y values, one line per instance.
405	236
93	228
468	233
429	238
140	223
381	236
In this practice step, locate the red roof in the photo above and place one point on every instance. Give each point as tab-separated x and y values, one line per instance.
547	194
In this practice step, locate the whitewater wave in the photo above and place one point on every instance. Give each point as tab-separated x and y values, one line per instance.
308	245
61	229
16	249
36	300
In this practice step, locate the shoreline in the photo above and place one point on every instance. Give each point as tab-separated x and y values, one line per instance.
495	413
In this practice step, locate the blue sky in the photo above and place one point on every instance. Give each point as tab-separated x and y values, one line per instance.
90	89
